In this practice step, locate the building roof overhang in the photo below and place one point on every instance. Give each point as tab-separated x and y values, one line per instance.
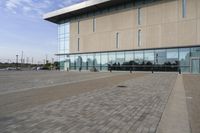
81	8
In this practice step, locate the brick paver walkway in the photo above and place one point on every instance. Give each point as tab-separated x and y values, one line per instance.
15	81
136	108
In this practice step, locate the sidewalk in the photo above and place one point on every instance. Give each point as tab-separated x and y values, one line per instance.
175	117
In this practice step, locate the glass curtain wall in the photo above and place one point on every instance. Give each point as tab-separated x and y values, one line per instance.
128	59
195	60
184	59
84	62
149	57
139	57
104	61
72	62
145	60
112	61
90	61
172	61
97	61
63	41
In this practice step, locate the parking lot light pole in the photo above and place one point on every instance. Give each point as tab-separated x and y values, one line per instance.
17	61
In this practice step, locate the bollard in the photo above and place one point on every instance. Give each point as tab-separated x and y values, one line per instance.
179	70
152	70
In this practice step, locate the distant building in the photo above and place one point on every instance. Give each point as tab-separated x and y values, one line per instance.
120	34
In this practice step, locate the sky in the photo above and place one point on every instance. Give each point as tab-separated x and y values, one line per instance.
22	28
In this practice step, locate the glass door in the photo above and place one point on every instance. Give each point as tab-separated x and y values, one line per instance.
195	66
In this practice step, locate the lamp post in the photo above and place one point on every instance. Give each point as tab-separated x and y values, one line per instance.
17	61
22	58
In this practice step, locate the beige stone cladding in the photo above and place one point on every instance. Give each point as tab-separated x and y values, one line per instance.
161	24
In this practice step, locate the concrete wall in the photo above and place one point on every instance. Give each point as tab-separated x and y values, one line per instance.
162	25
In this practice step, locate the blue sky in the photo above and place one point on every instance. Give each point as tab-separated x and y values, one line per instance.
23	29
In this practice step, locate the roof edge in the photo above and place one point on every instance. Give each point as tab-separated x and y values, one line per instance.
75	7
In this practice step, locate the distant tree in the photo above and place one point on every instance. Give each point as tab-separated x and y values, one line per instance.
56	65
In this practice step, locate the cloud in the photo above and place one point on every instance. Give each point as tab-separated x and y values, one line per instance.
71	2
27	6
36	7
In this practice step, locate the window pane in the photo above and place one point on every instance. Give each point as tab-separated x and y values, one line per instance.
149	57
195	52
78	60
112	58
139	21
160	56
78	27
139	38
139	57
90	59
84	61
117	40
72	60
63	37
104	61
129	56
97	59
184	56
119	58
183	8
172	57
94	24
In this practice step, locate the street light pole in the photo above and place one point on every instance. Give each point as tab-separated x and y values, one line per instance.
17	61
22	58
32	60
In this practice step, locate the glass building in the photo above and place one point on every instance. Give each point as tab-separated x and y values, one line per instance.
128	35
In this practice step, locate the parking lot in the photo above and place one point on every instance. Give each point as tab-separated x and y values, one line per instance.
53	101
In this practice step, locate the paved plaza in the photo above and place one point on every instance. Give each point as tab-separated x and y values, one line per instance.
12	81
73	102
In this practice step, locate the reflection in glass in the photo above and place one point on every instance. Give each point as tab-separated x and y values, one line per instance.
104	61
119	58
149	57
172	57
129	56
112	58
84	62
139	57
78	60
160	56
164	60
184	59
97	59
63	37
90	60
62	61
195	66
195	52
72	62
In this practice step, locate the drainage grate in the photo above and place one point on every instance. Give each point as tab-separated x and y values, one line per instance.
121	86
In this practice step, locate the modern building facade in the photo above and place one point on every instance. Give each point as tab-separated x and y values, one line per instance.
119	34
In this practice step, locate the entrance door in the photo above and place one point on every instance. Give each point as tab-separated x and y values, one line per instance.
195	66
